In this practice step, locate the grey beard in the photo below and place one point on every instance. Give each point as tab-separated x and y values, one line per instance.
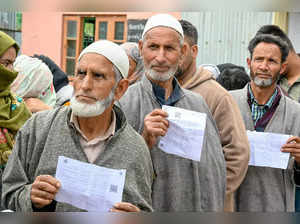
263	82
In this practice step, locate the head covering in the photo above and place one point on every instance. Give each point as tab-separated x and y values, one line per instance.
132	50
13	114
213	69
6	42
113	52
60	79
34	80
163	20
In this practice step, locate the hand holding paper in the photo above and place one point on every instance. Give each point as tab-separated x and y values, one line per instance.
155	125
185	134
88	186
124	207
293	146
265	149
43	190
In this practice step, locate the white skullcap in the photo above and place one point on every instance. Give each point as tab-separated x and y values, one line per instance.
163	20
113	52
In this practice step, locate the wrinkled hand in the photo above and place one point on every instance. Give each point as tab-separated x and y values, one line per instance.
155	125
36	105
293	146
43	190
124	207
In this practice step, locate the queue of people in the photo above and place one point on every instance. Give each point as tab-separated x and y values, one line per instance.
112	116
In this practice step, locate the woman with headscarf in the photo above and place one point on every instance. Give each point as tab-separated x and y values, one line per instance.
136	66
34	83
13	112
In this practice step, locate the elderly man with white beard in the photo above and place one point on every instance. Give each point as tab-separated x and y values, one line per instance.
180	184
91	130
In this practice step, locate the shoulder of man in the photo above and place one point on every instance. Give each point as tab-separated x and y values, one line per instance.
42	119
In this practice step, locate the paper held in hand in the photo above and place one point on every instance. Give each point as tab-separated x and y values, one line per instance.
265	149
185	133
87	186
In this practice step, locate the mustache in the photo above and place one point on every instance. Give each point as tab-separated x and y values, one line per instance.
85	95
157	64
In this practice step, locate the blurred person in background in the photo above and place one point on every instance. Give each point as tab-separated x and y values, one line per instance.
233	78
212	68
136	66
34	83
223	108
13	111
63	89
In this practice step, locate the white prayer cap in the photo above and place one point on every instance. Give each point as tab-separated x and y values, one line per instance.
113	52
163	20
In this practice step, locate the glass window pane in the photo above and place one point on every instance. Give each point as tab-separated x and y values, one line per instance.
102	30
119	30
72	29
89	31
70	66
71	49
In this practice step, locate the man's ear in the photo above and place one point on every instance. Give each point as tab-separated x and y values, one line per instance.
194	50
283	67
140	46
249	62
121	89
183	52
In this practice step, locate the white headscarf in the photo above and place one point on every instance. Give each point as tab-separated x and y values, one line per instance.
34	80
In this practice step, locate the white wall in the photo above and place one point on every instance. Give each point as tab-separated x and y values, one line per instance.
294	30
223	36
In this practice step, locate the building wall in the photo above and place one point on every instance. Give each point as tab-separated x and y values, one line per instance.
10	25
224	36
294	30
42	34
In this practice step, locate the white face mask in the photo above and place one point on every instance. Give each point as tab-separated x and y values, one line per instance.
91	110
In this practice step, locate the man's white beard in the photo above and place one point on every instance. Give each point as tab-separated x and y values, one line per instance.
91	110
159	76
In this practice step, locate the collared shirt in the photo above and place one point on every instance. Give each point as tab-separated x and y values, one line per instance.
96	146
262	114
160	92
293	91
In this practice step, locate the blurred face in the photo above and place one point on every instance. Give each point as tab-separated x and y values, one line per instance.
161	52
132	66
93	86
187	59
8	58
265	65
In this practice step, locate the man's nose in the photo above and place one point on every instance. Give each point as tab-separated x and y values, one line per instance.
264	65
160	57
87	83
